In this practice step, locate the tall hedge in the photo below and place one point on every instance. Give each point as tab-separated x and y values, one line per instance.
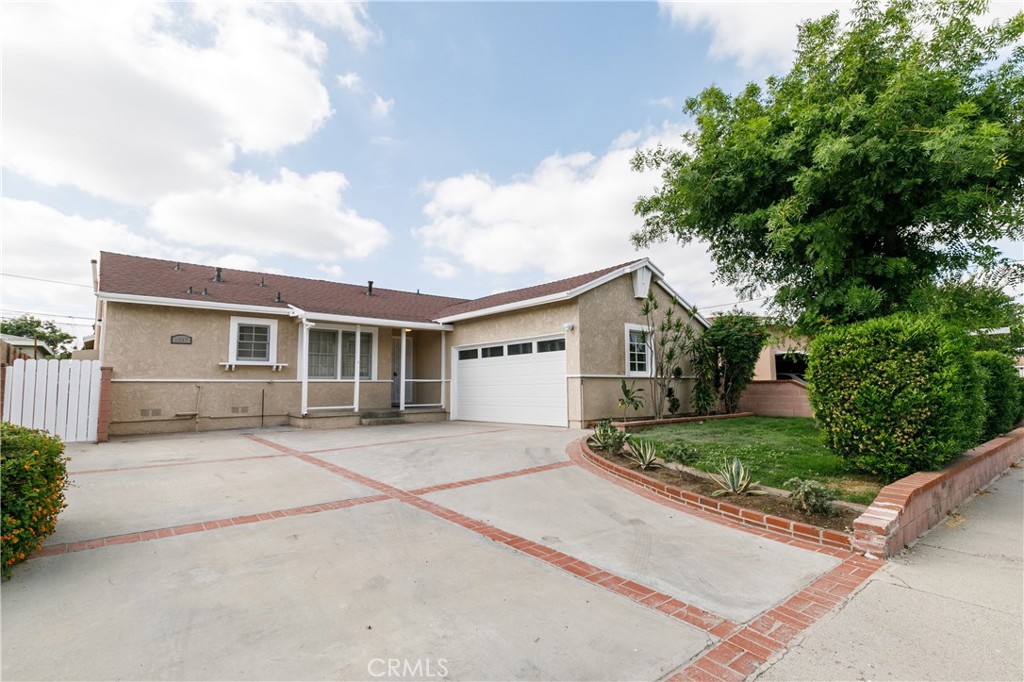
897	394
1002	392
723	359
33	477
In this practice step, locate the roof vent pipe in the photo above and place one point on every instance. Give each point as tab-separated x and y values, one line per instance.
177	266
262	283
205	292
189	290
278	299
369	288
216	275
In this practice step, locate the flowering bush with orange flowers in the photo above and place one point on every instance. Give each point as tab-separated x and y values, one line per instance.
32	482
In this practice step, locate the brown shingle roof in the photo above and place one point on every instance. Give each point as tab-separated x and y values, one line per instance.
138	276
519	295
121	274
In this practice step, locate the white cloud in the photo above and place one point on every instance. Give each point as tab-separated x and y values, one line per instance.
760	35
666	101
351	80
238	261
571	214
381	107
351	17
302	216
44	243
333	271
131	100
440	268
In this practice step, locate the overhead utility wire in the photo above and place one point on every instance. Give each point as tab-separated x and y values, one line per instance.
41	279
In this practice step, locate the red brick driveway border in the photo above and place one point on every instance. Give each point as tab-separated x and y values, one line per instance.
735	516
741	649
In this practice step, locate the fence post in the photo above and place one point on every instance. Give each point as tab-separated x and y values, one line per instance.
3	385
103	415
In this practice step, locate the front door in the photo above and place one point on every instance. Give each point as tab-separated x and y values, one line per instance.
396	370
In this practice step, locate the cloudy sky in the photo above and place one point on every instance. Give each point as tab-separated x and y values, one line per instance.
458	148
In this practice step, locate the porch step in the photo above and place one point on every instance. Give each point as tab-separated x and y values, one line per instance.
380	421
380	414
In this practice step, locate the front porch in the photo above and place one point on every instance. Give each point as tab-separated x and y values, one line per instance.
360	375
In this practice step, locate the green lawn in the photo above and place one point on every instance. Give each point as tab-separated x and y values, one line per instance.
774	448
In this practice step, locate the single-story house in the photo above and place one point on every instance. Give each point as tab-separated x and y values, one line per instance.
29	347
202	347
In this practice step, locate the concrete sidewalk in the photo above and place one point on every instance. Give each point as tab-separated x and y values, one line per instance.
950	608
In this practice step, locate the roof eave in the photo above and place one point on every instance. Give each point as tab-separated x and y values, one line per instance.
554	298
267	310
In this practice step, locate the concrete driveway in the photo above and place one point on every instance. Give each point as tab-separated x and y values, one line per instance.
423	551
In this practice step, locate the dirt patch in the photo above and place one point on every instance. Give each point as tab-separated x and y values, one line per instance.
766	504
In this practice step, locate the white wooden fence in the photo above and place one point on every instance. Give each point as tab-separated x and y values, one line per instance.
61	396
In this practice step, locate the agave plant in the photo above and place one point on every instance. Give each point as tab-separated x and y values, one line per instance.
734	479
643	452
607	437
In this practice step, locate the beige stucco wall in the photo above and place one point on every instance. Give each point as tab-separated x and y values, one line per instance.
604	314
155	381
169	406
138	344
764	370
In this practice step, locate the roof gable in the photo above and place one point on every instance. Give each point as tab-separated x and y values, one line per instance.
534	295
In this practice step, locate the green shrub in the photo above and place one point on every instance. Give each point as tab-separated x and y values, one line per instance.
608	438
643	452
722	359
1002	392
679	451
32	481
734	479
896	394
812	497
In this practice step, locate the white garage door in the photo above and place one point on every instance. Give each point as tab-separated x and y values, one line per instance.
520	382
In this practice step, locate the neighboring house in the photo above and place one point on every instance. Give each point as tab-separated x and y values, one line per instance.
199	347
31	348
783	357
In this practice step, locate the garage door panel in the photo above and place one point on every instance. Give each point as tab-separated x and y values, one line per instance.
518	389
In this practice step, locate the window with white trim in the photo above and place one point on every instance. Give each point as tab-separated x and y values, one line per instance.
253	341
331	353
348	354
323	354
638	351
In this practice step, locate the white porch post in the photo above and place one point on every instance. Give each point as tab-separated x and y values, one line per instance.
442	370
304	365
401	375
358	371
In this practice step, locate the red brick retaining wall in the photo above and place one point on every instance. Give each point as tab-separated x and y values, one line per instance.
730	512
904	510
783	398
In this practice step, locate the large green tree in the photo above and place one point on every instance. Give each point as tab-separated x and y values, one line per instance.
980	305
45	331
891	154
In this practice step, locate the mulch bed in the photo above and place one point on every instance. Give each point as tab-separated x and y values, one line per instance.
766	504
